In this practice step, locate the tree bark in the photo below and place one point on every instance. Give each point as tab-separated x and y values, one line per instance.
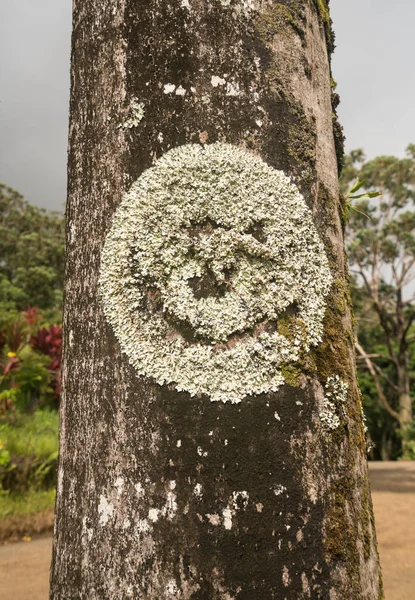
164	495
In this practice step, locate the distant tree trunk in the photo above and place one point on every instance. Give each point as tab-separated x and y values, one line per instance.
162	494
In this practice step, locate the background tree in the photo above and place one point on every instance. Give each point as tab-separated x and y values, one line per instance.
161	493
32	256
381	249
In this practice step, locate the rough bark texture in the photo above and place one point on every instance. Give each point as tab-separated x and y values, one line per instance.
161	495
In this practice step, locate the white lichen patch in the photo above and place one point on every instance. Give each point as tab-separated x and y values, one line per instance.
279	489
285	576
335	397
170	509
60	481
143	526
136	112
180	91
240	500
208	252
216	80
232	88
139	489
153	514
119	485
169	88
171	589
198	491
227	518
214	519
105	510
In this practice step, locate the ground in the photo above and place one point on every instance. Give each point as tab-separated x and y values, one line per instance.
24	566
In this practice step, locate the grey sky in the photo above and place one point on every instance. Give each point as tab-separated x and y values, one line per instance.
373	65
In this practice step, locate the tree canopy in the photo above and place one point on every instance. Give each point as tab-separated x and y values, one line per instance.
32	256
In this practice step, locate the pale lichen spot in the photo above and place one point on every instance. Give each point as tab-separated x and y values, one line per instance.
299	535
153	514
334	403
240	500
185	4
277	416
179	443
213	519
60	481
105	510
259	507
119	485
136	115
279	489
233	89
143	526
139	489
286	576
169	88
171	589
227	518
198	491
180	91
170	509
305	584
216	80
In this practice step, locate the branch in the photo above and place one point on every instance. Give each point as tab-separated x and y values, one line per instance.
379	371
372	370
382	356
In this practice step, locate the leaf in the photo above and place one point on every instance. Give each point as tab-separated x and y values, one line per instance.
366	195
359	184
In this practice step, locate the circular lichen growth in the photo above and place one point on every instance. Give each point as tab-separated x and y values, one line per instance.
209	250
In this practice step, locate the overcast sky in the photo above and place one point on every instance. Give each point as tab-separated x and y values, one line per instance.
373	65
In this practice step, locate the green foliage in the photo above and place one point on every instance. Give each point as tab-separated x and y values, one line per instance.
381	252
32	256
23	505
29	361
351	195
32	377
31	442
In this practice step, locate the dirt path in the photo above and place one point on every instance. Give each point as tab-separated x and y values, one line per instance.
24	566
393	493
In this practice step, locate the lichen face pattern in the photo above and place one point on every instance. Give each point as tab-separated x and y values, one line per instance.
209	253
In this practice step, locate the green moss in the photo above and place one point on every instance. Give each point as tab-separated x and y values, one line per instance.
291	375
275	19
341	541
324	14
330	205
302	138
323	10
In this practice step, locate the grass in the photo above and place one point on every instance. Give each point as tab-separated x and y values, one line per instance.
29	503
28	449
25	515
31	435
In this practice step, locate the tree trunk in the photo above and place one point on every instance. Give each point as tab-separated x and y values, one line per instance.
162	492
